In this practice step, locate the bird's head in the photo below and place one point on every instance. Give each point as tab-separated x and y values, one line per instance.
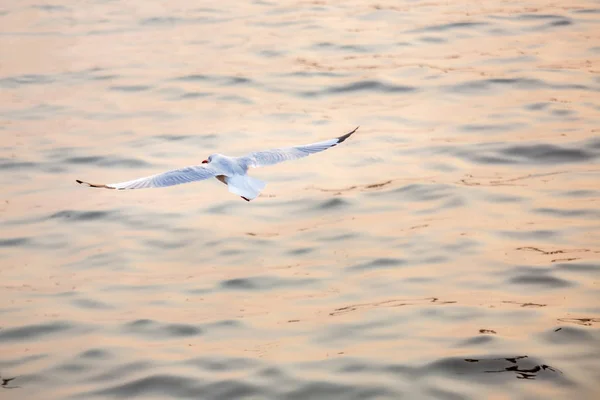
209	159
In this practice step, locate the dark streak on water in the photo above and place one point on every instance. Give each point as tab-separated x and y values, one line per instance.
361	86
33	332
154	330
525	153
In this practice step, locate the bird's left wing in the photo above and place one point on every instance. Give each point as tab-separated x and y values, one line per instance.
275	156
169	178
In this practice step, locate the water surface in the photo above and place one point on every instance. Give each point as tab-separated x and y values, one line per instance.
448	250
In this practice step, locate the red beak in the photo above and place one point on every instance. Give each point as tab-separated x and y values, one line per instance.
205	162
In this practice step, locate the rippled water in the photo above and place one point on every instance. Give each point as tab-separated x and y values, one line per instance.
448	250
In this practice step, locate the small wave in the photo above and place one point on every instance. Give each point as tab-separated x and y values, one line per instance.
66	78
452	26
121	371
587	11
34	332
73	215
166	244
32	79
487	86
301	251
339	391
569	213
90	304
181	387
491	128
107	161
379	263
14	242
263	283
96	354
193	95
538	106
169	21
222	80
529	17
236	99
538	234
271	53
540	279
418	192
375	86
313	74
158	330
475	341
553	24
333	204
218	364
100	260
432	39
38	112
17	165
579	267
50	7
568	335
526	153
162	21
343	47
130	88
66	155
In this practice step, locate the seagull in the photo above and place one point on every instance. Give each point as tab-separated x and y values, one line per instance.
232	171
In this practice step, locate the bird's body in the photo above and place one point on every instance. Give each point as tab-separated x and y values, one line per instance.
228	165
232	171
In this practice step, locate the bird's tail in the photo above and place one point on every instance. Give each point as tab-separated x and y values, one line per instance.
245	186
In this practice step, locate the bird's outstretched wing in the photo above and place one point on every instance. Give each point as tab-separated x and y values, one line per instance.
170	178
275	156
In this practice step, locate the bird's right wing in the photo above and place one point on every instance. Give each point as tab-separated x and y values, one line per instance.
169	178
275	156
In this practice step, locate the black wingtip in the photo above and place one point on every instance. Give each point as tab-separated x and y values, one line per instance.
93	184
347	135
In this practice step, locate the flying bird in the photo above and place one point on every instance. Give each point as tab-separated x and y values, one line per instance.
232	171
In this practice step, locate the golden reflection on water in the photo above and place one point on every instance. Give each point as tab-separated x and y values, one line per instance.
459	223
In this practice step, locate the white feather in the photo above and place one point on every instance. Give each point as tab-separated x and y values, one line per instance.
244	185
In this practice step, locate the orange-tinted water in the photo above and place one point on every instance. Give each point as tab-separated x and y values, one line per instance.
449	249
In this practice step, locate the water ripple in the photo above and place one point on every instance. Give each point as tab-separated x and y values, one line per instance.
34	332
451	26
379	263
179	387
14	242
156	330
542	278
488	86
526	153
263	283
374	86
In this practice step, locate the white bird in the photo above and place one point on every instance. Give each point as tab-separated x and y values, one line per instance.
232	171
